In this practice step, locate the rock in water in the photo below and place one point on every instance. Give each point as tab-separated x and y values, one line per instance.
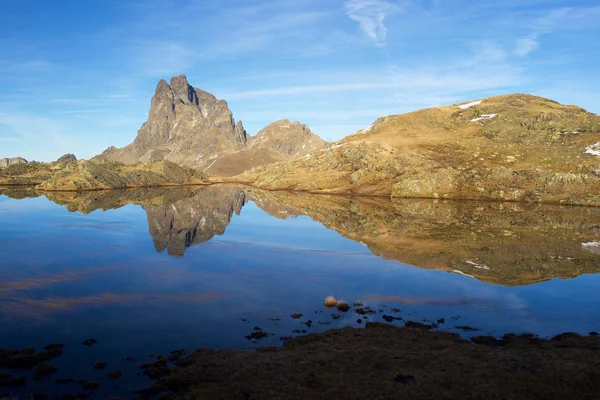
5	162
185	125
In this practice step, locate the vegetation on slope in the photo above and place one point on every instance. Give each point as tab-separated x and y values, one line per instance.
87	175
26	174
514	147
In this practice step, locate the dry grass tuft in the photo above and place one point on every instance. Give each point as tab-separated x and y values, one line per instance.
358	303
343	306
330	301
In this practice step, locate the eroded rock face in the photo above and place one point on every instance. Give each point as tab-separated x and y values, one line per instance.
185	125
5	162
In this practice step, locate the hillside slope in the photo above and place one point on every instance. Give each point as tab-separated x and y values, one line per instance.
514	147
279	141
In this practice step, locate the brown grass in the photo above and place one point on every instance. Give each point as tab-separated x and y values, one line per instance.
382	361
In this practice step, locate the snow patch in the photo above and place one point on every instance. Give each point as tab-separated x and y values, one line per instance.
480	266
366	129
484	117
471	104
594	149
462	273
594	247
211	164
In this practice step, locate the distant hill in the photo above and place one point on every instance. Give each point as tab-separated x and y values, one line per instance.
67	158
515	147
279	141
191	127
5	162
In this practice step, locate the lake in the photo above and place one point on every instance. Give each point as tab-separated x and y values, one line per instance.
149	271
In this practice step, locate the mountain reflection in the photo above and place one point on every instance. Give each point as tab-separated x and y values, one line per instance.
501	243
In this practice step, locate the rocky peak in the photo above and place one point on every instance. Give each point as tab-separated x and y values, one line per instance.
284	136
185	125
181	87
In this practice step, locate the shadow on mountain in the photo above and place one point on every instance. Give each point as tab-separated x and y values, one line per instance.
509	244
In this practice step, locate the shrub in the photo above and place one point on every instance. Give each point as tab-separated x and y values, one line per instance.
343	306
330	301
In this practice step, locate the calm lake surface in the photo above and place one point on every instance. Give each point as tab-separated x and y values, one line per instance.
150	271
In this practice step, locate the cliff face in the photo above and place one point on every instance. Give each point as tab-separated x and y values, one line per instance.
185	125
514	147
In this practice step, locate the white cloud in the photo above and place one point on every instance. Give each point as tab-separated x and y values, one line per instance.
370	14
527	45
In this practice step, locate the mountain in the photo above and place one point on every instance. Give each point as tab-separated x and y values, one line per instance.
185	125
514	147
191	127
280	141
5	162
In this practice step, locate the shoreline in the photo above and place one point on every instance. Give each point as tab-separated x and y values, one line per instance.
377	360
386	361
318	192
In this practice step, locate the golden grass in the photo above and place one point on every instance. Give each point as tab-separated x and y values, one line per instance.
330	301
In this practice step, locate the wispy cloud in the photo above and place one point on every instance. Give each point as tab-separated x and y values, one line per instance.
527	45
566	18
370	14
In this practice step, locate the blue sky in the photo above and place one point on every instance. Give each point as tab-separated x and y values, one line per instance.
77	76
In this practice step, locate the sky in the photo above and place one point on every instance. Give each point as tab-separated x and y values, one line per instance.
77	76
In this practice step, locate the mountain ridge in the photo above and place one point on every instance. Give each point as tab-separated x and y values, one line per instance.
511	148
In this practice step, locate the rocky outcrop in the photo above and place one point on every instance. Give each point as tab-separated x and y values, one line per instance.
67	158
5	162
290	138
512	148
280	141
185	125
87	175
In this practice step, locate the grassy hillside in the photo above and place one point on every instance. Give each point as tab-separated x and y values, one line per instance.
87	175
514	147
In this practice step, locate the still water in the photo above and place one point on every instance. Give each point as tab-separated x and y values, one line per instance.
150	271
